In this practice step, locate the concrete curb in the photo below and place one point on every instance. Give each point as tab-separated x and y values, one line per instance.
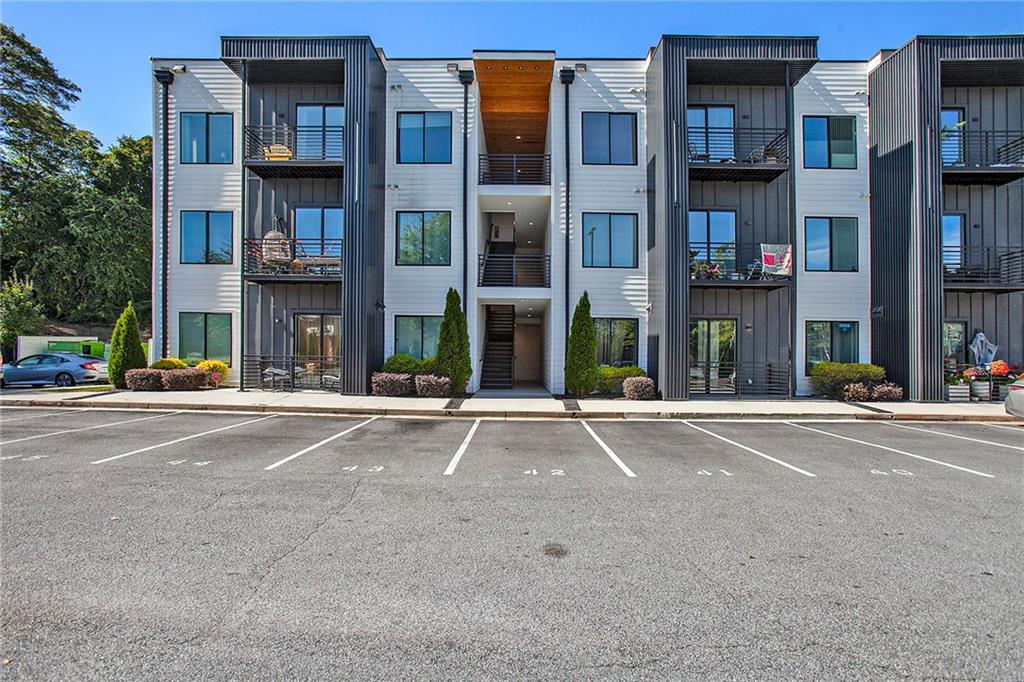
524	414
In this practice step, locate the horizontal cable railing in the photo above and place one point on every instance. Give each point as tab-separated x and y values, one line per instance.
514	270
294	143
515	169
737	145
981	148
731	261
282	256
740	379
983	265
292	372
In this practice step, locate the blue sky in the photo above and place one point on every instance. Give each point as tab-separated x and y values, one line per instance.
105	47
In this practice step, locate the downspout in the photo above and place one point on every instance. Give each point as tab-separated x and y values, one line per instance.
567	76
466	78
165	77
244	215
791	200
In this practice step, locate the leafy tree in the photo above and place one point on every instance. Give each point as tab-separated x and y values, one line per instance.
452	359
125	347
126	167
20	315
581	353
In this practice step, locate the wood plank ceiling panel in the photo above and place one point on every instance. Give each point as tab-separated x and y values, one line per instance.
514	103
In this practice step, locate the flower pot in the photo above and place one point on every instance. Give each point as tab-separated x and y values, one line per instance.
958	393
982	390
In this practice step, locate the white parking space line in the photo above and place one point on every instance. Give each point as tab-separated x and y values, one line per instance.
608	451
886	447
751	450
89	428
462	449
953	435
314	446
30	416
1018	429
182	440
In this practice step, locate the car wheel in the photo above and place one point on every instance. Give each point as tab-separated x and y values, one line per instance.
64	380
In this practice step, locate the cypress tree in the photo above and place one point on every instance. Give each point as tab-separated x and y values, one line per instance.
581	353
125	347
453	344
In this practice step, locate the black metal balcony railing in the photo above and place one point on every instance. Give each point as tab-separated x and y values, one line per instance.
291	372
293	257
981	148
981	265
739	379
514	270
294	143
515	169
737	145
714	261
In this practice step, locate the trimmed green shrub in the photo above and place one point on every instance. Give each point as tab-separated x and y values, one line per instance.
430	386
169	363
829	378
638	388
609	379
391	384
217	370
125	347
190	379
581	352
407	364
452	359
144	379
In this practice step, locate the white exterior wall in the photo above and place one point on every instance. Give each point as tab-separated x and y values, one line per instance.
206	86
833	88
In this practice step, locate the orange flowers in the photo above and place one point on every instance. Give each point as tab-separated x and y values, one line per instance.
999	368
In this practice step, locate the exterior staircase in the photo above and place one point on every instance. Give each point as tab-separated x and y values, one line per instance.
499	347
498	265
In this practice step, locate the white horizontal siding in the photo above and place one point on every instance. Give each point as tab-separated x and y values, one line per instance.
839	89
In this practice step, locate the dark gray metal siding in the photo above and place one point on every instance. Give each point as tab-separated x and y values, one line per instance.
656	212
281	196
271	309
275	104
1000	316
762	316
762	208
748	47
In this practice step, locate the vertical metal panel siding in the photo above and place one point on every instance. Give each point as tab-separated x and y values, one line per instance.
753	47
656	197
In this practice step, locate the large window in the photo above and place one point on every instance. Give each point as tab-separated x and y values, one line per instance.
712	356
417	335
830	244
425	137
710	132
954	342
831	342
206	138
609	139
616	341
712	238
830	142
206	237
318	335
609	240
952	240
319	230
424	238
204	336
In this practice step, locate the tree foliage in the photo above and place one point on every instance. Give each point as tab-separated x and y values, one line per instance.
125	347
452	359
20	315
581	354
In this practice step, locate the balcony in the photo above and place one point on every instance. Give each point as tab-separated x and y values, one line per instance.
292	372
987	157
739	379
983	268
292	260
282	151
736	154
514	270
731	265
515	169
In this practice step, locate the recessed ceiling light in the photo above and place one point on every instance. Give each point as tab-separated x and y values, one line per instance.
519	137
509	203
531	222
528	241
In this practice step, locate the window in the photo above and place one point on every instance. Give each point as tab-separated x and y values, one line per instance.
710	132
831	342
830	142
609	240
951	137
954	342
206	237
204	336
424	238
712	356
206	138
318	335
417	335
712	237
616	341
609	139
952	240
425	137
319	230
319	131
830	244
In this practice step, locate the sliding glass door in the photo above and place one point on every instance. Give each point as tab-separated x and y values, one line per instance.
712	356
319	131
710	133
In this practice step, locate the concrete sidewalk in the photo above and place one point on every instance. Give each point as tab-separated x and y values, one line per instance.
230	399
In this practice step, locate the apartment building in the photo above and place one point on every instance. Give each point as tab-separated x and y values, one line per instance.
719	199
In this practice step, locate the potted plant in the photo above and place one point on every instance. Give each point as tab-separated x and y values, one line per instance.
1000	372
957	388
702	269
981	383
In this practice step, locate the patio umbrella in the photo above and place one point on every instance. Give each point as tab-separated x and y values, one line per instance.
983	349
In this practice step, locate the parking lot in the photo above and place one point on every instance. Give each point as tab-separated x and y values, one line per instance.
168	543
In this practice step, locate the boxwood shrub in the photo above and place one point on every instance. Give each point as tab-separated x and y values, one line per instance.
144	379
638	388
391	383
400	363
169	363
430	386
830	378
609	379
190	379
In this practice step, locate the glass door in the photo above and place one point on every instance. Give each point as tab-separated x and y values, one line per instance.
317	346
319	232
712	356
711	133
318	131
952	242
951	137
712	239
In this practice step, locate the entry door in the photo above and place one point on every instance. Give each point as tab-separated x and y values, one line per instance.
528	354
713	356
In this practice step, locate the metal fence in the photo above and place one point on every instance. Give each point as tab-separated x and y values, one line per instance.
739	379
292	372
983	265
514	270
737	145
981	148
305	257
515	169
294	143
